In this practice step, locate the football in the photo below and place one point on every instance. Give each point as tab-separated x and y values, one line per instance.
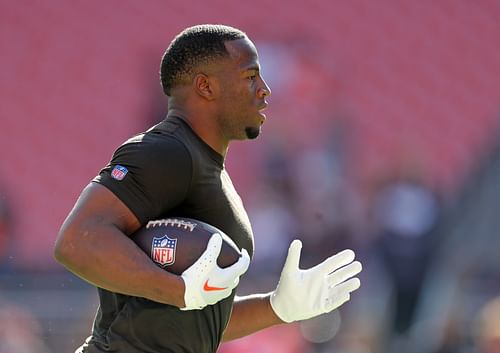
174	244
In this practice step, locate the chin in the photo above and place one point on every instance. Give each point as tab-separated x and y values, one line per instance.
252	132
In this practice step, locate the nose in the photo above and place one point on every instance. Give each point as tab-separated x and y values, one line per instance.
264	90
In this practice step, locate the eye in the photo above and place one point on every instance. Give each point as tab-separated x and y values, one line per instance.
252	77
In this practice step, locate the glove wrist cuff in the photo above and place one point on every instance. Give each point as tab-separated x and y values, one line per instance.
192	299
274	300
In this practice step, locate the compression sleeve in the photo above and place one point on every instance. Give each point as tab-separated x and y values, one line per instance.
149	175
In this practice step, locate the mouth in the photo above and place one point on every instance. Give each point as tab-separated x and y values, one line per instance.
263	107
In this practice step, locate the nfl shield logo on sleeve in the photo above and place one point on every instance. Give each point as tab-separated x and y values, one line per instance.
163	250
119	172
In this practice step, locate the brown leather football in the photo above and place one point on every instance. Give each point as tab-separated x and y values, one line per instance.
176	243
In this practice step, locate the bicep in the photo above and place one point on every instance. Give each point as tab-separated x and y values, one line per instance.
98	206
93	244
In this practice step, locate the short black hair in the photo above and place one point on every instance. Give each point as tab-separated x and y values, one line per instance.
192	47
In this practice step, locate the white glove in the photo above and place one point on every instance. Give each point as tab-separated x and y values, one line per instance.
303	294
205	282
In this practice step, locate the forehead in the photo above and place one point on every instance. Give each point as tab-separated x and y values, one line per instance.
243	53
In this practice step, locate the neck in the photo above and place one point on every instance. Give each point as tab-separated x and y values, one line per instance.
205	126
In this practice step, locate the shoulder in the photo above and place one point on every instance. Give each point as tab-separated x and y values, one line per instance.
154	146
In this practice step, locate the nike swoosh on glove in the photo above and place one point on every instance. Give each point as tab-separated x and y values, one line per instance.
303	294
205	282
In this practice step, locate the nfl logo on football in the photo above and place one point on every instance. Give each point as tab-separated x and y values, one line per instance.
163	250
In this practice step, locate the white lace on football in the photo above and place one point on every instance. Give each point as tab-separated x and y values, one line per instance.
172	222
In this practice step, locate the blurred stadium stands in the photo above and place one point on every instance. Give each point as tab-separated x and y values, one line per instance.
369	88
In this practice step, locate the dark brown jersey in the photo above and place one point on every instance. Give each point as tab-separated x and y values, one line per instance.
168	171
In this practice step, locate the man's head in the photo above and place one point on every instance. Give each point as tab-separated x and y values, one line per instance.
193	48
219	66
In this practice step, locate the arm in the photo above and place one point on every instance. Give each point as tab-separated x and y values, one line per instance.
93	244
250	314
300	294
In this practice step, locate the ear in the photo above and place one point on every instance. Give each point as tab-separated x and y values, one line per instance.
205	86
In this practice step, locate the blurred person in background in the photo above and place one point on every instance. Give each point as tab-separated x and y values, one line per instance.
487	327
211	74
20	331
330	216
308	194
405	212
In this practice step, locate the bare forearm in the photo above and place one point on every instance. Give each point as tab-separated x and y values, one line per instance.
250	314
108	259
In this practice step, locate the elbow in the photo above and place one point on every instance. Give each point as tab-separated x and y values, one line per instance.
59	253
64	248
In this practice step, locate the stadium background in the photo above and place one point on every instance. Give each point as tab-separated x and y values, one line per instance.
382	135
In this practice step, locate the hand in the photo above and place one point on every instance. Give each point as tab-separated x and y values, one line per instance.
303	294
206	283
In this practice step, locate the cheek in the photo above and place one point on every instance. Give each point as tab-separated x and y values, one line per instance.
238	99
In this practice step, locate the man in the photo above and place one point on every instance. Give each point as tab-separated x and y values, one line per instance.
211	74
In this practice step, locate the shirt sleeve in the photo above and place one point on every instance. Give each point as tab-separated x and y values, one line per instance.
151	177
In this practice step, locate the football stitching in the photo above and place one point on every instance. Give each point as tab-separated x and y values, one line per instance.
172	222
